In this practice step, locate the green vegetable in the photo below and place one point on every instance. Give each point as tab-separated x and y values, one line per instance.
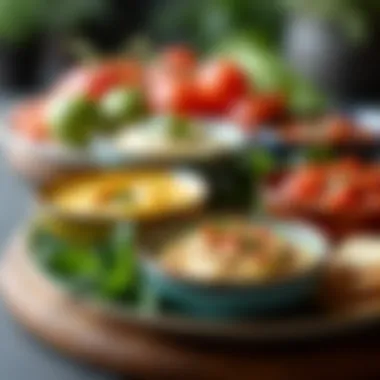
104	269
122	106
73	119
75	265
122	273
261	163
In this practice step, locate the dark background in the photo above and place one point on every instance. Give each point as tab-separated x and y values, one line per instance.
334	43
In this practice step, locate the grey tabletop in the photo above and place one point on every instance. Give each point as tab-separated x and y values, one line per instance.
21	356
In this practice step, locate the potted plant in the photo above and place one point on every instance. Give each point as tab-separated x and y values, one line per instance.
29	28
336	43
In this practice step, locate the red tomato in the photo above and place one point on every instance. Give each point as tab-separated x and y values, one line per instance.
178	59
219	85
113	74
370	180
29	120
172	96
372	201
341	199
305	186
95	81
252	111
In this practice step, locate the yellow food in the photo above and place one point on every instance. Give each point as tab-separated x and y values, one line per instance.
135	194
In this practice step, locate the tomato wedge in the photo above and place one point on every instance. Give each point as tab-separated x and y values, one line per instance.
96	80
28	119
341	199
254	110
219	84
172	95
304	186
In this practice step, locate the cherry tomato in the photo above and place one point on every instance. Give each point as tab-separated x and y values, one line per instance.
172	96
96	81
179	59
252	111
113	74
305	186
341	199
29	120
219	85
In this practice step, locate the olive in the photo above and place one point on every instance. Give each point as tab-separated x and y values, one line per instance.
73	119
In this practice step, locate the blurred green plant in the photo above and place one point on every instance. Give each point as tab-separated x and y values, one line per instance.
354	16
205	23
20	20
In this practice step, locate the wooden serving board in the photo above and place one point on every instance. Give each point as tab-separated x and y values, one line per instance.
55	318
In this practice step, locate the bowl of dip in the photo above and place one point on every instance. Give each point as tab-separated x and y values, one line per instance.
237	267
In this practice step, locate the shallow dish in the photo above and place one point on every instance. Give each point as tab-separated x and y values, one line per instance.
224	299
217	138
38	162
312	320
75	197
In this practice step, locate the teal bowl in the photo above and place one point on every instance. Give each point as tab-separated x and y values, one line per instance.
224	300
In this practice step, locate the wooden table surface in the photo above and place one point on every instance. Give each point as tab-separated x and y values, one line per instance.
56	319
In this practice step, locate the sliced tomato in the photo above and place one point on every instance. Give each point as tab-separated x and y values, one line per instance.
29	120
172	96
342	199
219	85
252	111
113	74
96	80
305	186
